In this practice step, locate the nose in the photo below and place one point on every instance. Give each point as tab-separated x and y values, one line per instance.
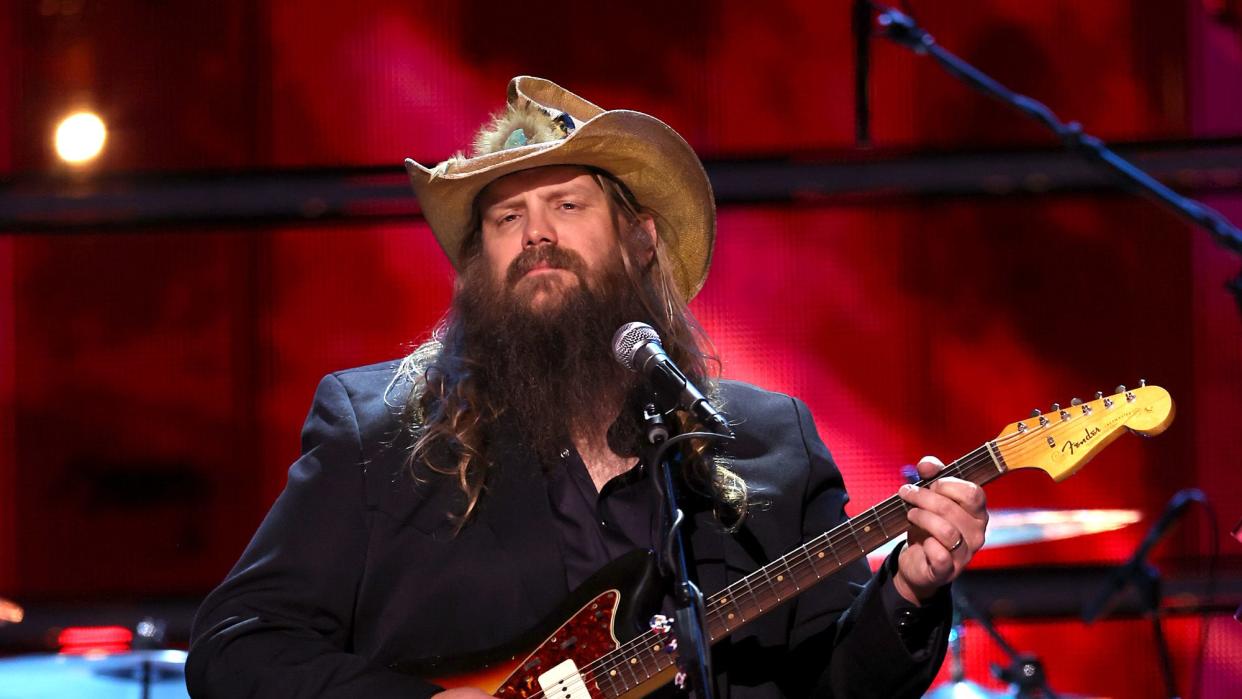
539	229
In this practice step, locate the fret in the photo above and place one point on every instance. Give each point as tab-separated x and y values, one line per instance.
771	586
896	516
728	611
750	592
868	528
793	577
628	664
821	555
849	524
783	579
642	662
811	562
880	521
832	547
602	675
616	682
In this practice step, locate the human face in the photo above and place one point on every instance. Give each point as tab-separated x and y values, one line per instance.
559	206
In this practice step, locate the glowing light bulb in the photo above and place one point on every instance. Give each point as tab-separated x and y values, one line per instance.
80	137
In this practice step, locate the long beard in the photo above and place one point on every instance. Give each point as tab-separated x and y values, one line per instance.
548	370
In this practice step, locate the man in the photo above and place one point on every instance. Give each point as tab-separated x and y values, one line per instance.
445	504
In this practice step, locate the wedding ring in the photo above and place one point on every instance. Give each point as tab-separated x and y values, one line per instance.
958	545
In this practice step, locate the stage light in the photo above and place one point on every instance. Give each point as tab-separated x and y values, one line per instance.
80	137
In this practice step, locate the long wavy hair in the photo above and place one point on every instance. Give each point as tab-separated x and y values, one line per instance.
448	417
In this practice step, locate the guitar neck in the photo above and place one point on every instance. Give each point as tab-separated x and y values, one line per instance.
803	567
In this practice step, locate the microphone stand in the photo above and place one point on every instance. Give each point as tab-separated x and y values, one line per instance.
690	618
1145	579
1025	672
903	30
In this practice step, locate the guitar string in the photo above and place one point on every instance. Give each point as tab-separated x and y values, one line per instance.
977	457
969	462
650	638
980	456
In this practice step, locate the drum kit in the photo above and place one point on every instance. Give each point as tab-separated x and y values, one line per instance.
160	674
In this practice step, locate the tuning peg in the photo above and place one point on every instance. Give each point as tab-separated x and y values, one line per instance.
1056	407
1099	395
1142	383
1076	401
1120	389
1035	412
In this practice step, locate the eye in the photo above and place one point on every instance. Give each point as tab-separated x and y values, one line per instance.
507	218
569	205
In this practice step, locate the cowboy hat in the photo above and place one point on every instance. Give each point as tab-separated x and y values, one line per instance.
545	124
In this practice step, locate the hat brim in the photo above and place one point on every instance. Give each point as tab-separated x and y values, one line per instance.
657	165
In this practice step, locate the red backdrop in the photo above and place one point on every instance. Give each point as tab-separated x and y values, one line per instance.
152	382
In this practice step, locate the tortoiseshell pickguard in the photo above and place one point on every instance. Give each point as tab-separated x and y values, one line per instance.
587	636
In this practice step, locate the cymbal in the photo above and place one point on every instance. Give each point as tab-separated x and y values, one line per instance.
1015	527
965	689
119	676
10	613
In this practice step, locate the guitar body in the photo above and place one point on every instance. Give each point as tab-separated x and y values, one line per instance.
608	610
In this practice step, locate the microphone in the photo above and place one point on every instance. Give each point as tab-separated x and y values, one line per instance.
1172	511
637	347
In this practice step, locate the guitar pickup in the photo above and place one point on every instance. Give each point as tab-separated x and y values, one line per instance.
564	682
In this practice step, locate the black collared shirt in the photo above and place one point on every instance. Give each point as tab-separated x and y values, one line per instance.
597	527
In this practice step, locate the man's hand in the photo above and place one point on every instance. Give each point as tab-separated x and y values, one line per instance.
947	523
462	693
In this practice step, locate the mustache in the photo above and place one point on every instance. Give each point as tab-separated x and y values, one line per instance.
553	256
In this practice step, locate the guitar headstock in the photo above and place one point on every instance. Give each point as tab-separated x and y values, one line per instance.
1061	441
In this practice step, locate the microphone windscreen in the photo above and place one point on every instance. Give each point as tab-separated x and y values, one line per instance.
627	340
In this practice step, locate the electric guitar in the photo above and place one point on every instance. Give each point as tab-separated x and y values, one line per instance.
592	647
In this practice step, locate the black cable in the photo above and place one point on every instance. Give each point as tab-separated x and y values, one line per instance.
657	458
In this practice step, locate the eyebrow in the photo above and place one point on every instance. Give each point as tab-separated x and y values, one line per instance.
515	201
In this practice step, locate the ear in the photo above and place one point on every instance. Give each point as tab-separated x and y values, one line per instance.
648	225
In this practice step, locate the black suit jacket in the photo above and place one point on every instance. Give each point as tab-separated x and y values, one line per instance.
357	566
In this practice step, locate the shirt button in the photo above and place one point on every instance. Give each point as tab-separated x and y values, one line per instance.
564	453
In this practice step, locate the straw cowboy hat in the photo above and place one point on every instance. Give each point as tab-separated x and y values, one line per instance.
544	124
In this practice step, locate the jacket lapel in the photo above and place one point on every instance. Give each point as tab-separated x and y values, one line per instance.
515	507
